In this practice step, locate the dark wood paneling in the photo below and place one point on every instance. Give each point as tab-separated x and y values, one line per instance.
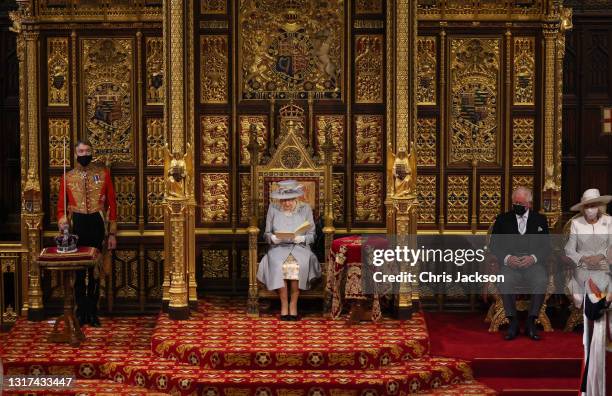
587	155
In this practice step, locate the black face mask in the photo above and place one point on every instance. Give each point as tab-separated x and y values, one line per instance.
519	209
84	160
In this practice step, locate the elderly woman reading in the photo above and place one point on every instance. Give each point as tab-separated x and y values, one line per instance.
289	230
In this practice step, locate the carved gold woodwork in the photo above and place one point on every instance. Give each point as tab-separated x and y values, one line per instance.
245	196
336	123
54	186
369	197
156	90
291	49
155	199
470	10
213	6
524	71
457	199
522	180
427	66
155	141
215	199
490	198
338	197
427	195
260	122
474	118
369	71
368	7
107	74
179	172
426	141
154	262
58	72
214	52
125	274
60	148
214	148
244	264
215	264
125	192
369	139
401	174
523	142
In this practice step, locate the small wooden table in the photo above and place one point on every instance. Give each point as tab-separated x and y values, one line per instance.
68	264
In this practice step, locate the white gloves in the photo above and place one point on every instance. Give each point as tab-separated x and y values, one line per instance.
275	240
299	239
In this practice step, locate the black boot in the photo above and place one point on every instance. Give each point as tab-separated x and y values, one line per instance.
531	329
513	329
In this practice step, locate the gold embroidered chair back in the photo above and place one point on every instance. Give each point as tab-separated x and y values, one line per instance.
292	158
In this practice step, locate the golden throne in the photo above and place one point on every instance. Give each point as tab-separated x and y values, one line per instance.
292	158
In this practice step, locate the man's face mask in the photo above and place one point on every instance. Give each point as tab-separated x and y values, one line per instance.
519	209
84	160
591	213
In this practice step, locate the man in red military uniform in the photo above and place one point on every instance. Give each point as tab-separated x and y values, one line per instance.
91	199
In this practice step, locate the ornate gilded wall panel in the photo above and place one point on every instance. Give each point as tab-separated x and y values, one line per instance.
523	141
337	130
125	191
54	186
368	7
369	197
457	199
215	264
155	142
245	196
427	190
214	149
214	66
154	264
524	70
58	61
155	199
291	49
155	70
522	180
369	70
369	139
338	197
261	123
215	200
474	113
490	198
213	6
426	142
125	272
244	264
107	74
427	63
59	137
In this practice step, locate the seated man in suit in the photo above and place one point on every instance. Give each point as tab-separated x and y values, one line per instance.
522	258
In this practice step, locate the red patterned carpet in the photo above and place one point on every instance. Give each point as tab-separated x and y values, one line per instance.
221	351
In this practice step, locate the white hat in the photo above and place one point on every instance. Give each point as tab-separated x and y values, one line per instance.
590	196
287	189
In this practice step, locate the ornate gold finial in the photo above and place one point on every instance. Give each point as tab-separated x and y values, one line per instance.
566	19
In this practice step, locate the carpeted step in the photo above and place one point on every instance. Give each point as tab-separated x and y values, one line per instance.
542	386
468	388
527	368
91	387
218	336
172	376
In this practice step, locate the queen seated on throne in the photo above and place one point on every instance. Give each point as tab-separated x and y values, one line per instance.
289	262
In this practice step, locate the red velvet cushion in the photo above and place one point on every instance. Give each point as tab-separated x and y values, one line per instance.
354	244
82	253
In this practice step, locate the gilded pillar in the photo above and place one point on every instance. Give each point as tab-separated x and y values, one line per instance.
559	20
179	246
401	158
253	230
31	204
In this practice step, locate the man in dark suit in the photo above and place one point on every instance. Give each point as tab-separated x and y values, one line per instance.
522	254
